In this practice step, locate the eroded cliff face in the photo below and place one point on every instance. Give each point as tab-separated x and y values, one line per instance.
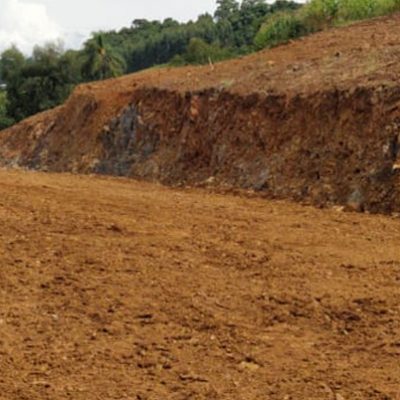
317	120
328	148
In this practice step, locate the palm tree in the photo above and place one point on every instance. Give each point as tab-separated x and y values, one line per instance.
100	60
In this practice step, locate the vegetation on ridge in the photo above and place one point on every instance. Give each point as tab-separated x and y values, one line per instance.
317	15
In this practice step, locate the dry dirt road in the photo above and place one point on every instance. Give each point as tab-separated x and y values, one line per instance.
113	289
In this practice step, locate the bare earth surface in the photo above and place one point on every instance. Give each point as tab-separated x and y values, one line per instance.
113	289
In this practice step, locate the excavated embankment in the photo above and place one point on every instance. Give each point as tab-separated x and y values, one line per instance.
337	142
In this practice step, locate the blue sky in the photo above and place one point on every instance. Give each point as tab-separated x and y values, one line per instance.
29	22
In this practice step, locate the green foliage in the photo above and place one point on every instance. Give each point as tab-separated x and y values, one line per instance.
329	12
12	61
200	52
5	121
37	83
233	26
226	9
317	15
352	10
280	28
100	60
178	61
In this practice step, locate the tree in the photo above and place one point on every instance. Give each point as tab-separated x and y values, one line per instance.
37	83
280	28
100	60
11	62
250	17
226	9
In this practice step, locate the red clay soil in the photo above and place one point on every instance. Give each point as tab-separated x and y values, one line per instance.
317	121
115	289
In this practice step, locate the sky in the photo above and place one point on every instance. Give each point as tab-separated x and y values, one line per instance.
29	22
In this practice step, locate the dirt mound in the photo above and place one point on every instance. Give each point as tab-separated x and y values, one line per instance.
316	120
116	289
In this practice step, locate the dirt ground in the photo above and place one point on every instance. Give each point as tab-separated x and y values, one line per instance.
114	289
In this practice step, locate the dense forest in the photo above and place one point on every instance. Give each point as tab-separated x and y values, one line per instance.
34	83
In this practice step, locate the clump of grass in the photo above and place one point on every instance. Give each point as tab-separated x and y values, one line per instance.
353	10
317	15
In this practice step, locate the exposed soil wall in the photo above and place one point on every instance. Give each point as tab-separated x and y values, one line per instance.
328	148
317	120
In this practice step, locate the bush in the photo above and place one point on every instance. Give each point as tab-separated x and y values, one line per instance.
352	10
319	14
280	28
200	52
177	61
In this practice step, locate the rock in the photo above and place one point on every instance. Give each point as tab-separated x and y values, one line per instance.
262	180
249	365
192	378
114	228
355	201
396	166
338	208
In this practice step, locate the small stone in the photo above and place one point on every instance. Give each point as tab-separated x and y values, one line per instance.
396	166
114	228
338	208
249	365
355	202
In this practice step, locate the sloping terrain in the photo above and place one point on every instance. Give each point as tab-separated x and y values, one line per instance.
316	120
115	289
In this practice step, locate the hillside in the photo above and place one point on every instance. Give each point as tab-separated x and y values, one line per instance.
116	289
316	120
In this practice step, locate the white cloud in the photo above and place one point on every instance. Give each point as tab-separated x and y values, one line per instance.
74	40
25	24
